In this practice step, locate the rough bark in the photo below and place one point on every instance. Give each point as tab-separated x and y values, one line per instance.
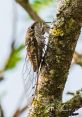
62	41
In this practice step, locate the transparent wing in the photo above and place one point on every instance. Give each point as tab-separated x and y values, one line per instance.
29	80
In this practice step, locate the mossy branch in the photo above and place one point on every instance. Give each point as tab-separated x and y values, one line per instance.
62	42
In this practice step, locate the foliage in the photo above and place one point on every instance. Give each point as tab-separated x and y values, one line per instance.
14	58
38	4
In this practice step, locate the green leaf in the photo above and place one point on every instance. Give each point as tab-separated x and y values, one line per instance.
20	48
38	4
14	58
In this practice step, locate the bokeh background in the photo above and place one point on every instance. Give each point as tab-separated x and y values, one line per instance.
14	21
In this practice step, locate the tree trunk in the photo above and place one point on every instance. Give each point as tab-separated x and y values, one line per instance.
62	41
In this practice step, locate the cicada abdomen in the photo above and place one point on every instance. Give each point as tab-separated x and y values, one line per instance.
39	34
32	47
35	44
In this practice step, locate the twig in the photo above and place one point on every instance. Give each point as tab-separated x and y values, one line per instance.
25	4
1	111
77	59
74	104
19	111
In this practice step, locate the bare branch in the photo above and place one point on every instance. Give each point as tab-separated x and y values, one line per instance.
77	59
20	111
1	111
25	4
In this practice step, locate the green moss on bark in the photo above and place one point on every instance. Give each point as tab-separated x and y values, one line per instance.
62	42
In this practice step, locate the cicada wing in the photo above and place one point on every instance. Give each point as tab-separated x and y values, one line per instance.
29	80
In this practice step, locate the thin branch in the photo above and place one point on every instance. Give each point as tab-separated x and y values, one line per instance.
25	4
74	104
1	112
77	59
20	111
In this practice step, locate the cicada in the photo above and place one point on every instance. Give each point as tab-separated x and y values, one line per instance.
35	43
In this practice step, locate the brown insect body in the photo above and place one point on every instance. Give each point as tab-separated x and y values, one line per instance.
39	34
32	47
35	43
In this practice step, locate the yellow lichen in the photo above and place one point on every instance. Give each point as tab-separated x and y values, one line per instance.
57	32
71	23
